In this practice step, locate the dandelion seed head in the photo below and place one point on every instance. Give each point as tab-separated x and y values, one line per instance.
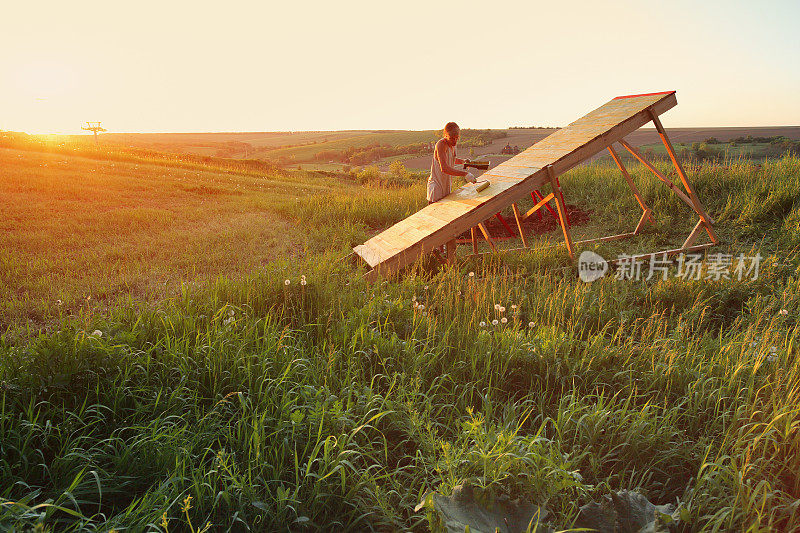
483	324
497	306
530	324
302	282
426	287
513	306
504	320
472	274
286	282
494	322
58	302
783	312
97	333
502	309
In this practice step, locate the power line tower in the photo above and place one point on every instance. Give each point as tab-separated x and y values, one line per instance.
93	127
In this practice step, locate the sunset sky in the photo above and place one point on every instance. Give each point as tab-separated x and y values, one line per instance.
261	66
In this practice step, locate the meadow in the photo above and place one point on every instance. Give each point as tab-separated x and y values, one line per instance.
231	372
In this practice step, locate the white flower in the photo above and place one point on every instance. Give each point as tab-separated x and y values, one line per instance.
58	302
504	320
302	282
421	307
286	282
513	306
497	306
483	324
502	309
97	333
783	312
472	274
530	324
494	322
303	277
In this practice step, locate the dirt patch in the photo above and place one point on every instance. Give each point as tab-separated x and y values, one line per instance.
533	225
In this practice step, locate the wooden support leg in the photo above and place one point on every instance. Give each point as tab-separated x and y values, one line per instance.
682	174
655	171
547	205
539	204
451	251
693	235
561	193
486	236
474	237
505	224
562	210
646	215
631	184
535	199
519	225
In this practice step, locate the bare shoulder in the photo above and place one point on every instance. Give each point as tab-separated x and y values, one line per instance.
442	146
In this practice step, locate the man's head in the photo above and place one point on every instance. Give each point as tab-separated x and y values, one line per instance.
451	133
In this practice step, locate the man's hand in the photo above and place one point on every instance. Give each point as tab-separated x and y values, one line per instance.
470	177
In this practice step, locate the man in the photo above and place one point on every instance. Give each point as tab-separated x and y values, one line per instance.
442	165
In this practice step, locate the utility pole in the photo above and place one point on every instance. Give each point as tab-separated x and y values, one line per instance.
93	127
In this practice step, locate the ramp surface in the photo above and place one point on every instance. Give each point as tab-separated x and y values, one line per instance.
438	223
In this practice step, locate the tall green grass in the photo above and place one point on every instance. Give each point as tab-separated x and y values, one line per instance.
334	404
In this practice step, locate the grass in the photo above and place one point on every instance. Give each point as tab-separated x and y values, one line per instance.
248	403
300	154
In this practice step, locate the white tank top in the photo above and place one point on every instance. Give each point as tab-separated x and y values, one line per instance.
438	181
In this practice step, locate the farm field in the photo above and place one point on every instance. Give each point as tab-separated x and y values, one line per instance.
291	149
181	347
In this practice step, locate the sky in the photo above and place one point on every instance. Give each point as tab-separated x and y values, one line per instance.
174	66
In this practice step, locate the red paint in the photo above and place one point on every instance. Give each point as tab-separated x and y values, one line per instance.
503	221
645	94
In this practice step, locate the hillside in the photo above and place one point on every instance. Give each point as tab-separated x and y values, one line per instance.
231	372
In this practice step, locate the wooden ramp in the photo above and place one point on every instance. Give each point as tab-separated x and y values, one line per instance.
465	208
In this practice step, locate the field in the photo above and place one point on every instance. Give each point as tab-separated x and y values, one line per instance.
290	149
182	348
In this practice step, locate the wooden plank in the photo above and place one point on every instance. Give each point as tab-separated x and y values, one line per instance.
474	239
658	174
538	205
682	174
451	251
693	235
562	213
486	236
519	225
645	217
628	178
